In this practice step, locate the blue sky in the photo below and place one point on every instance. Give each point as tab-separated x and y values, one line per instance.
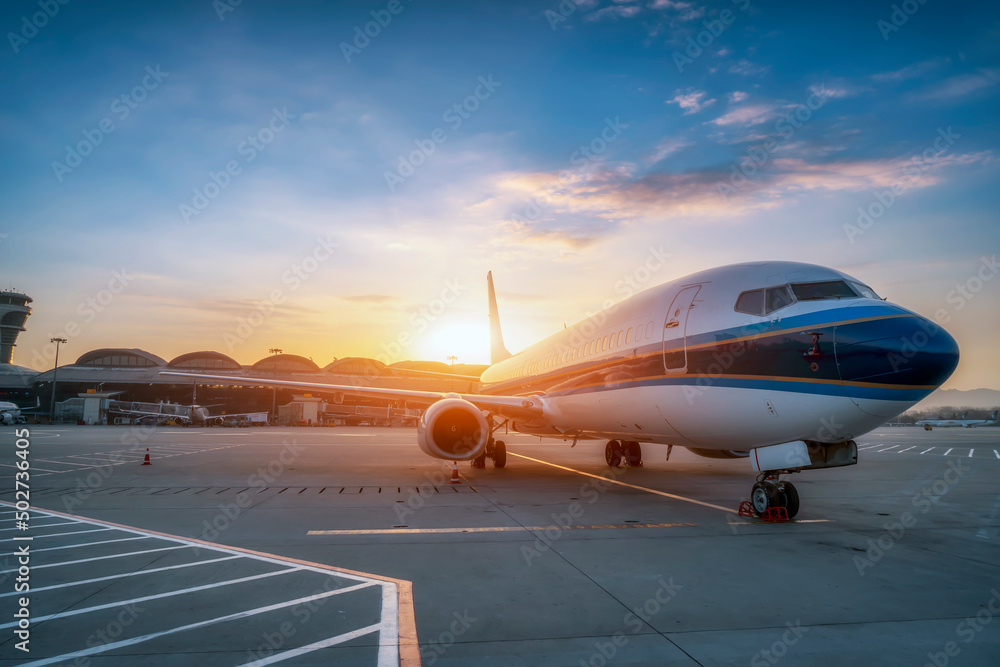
256	183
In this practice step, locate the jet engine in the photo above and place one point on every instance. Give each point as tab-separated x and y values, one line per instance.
719	453
453	429
6	418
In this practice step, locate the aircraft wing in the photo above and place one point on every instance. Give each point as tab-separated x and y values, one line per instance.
514	407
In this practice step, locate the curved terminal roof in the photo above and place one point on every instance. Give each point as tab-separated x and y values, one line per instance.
120	358
205	360
356	366
285	363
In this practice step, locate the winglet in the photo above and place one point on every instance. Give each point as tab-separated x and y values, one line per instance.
497	350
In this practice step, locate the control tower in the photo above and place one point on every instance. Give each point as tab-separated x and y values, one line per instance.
14	311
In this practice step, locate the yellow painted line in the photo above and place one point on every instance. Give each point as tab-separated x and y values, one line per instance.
631	486
493	529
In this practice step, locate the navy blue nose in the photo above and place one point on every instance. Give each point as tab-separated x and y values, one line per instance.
899	357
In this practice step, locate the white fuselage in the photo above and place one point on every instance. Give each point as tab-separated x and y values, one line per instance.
679	364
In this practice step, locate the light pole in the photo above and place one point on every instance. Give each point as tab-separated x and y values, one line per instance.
274	390
453	359
55	375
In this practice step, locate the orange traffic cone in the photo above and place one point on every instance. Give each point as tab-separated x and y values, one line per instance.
454	473
146	461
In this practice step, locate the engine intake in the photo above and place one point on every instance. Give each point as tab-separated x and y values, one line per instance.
453	429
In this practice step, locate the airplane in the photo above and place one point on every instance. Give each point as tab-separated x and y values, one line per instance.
967	423
10	413
186	415
781	363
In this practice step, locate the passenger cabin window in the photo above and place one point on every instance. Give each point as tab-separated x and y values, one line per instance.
830	289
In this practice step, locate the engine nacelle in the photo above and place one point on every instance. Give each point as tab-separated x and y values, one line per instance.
453	429
719	453
6	418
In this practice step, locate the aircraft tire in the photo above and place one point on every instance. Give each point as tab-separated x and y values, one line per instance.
613	453
763	497
633	454
789	498
499	454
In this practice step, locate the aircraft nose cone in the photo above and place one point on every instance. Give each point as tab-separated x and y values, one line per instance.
893	361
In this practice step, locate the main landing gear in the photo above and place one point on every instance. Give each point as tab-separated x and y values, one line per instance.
770	493
496	450
629	451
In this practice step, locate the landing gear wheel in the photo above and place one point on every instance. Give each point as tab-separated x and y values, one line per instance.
763	497
479	461
499	454
613	453
789	498
633	454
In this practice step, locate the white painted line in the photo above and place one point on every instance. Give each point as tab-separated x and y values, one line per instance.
87	544
326	643
631	486
75	532
888	448
43	525
997	453
970	453
88	560
193	626
125	575
948	452
182	591
907	449
927	450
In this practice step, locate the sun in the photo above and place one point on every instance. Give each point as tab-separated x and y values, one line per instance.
468	341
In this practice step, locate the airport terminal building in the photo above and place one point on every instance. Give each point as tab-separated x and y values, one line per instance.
88	389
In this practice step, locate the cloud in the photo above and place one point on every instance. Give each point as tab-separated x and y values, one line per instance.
747	68
614	12
737	96
372	299
690	101
751	114
666	148
905	73
953	88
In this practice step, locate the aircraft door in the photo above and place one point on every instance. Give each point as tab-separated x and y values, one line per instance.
675	330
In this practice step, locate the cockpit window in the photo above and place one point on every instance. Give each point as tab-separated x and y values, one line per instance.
778	297
830	289
751	303
865	291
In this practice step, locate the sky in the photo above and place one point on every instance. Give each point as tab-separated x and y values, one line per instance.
336	178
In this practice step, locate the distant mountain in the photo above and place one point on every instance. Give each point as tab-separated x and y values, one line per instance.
975	398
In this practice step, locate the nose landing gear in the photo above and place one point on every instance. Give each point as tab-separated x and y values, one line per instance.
770	494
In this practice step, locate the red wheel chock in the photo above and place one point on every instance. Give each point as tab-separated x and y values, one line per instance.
771	514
